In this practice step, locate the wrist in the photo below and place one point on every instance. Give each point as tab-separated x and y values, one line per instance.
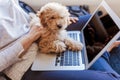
110	48
26	41
29	37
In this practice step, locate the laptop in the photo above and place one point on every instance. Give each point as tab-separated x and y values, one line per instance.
103	22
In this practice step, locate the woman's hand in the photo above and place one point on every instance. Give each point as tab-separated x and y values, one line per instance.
73	19
115	44
34	33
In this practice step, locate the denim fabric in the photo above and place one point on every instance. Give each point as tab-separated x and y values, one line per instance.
80	24
115	59
102	64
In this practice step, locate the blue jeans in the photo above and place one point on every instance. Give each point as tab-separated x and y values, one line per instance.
80	24
100	70
102	64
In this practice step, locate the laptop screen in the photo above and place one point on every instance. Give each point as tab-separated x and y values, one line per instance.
99	31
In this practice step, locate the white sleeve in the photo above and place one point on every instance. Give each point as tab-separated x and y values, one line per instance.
9	55
16	1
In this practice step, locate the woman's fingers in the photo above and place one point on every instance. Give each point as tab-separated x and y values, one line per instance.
115	44
35	32
73	19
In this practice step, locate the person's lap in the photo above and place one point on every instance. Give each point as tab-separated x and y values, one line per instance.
100	68
69	75
102	64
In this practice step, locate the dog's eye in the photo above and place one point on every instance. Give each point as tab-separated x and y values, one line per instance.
52	18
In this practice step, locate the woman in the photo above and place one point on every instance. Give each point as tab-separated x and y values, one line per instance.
16	37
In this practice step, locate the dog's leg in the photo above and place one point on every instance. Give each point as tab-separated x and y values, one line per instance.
52	47
73	45
58	46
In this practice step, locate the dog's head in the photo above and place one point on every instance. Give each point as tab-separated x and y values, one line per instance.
54	16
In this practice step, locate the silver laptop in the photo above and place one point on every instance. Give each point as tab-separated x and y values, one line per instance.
107	23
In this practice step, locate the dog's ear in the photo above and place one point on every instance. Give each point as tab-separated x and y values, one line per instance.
42	17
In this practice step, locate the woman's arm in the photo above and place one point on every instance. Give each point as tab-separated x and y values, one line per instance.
115	44
11	54
32	35
28	39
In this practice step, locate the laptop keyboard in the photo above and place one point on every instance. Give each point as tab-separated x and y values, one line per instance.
69	58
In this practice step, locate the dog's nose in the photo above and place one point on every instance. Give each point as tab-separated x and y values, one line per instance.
59	26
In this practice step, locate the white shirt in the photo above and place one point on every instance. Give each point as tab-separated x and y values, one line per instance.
13	24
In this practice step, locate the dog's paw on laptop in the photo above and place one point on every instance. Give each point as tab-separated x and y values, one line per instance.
74	45
59	47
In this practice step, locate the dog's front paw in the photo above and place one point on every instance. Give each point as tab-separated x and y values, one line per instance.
59	47
74	45
77	46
